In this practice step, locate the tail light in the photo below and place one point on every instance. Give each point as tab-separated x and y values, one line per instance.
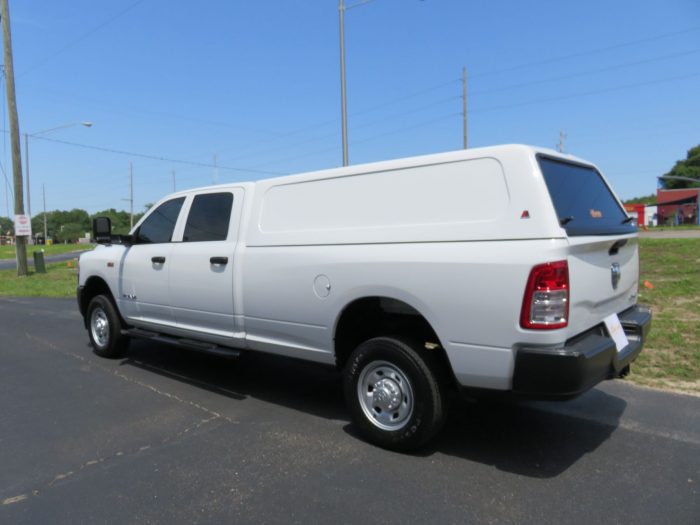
546	301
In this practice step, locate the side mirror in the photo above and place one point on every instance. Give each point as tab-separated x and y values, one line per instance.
102	230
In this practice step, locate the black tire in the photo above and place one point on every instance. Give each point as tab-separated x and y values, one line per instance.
393	393
104	328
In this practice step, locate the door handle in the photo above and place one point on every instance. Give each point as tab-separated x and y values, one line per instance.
158	260
218	260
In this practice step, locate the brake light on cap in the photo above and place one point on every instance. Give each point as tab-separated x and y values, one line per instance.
546	301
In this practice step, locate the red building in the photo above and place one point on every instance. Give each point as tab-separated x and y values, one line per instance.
678	206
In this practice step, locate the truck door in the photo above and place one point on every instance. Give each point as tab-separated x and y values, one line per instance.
144	294
202	271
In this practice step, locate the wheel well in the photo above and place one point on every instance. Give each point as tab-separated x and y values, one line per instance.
93	287
371	317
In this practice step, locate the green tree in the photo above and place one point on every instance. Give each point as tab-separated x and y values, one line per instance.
57	220
6	225
647	199
70	232
120	220
690	167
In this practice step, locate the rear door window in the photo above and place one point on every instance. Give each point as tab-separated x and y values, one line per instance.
209	218
583	201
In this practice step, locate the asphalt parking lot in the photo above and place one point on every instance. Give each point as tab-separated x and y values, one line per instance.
171	436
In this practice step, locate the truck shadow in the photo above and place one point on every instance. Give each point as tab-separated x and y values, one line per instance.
533	439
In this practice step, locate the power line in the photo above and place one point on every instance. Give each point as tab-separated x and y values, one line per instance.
154	157
393	132
586	73
361	126
586	53
585	93
81	38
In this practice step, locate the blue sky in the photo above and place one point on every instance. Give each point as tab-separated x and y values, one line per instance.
256	83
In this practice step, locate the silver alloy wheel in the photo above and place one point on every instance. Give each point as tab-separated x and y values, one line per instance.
385	395
99	327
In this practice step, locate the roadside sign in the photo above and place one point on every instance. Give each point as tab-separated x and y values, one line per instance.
23	226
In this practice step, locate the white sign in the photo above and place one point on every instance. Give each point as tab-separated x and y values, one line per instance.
23	226
612	323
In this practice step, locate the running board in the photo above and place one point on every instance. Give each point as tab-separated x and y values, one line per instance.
199	346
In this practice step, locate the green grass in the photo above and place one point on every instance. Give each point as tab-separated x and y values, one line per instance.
671	358
60	280
8	252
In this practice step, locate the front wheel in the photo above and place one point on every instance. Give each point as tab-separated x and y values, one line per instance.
104	328
393	394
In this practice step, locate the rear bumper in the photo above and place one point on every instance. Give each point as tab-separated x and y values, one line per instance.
584	361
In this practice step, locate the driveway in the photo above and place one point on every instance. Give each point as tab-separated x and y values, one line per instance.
171	436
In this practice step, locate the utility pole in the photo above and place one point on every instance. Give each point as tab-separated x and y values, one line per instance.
26	170
343	96
562	138
216	169
7	196
21	242
174	189
464	104
131	196
43	191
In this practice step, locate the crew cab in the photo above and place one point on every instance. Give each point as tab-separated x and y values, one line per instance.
506	269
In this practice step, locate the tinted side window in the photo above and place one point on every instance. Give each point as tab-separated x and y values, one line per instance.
209	218
159	225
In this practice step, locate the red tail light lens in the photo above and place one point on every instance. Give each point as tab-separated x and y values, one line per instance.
546	301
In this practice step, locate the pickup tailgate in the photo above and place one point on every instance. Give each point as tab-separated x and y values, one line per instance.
603	278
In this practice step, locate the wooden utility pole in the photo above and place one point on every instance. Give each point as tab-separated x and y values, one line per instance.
21	242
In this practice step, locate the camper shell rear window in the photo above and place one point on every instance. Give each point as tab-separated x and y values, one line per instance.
583	201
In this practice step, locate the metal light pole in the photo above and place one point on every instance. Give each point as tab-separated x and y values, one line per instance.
85	123
343	98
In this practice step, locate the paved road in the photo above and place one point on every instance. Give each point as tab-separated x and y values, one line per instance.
6	264
670	234
170	436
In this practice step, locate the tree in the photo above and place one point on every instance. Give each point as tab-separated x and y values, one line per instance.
649	200
690	167
6	225
120	220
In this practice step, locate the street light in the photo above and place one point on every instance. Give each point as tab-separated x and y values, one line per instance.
343	102
85	123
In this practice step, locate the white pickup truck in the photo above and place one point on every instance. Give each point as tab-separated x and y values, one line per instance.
508	268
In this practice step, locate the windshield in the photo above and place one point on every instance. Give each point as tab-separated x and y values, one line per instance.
584	203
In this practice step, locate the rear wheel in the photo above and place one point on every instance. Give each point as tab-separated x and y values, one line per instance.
104	328
393	393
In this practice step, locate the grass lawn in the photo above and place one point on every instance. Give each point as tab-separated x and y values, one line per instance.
8	252
670	360
60	280
671	357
